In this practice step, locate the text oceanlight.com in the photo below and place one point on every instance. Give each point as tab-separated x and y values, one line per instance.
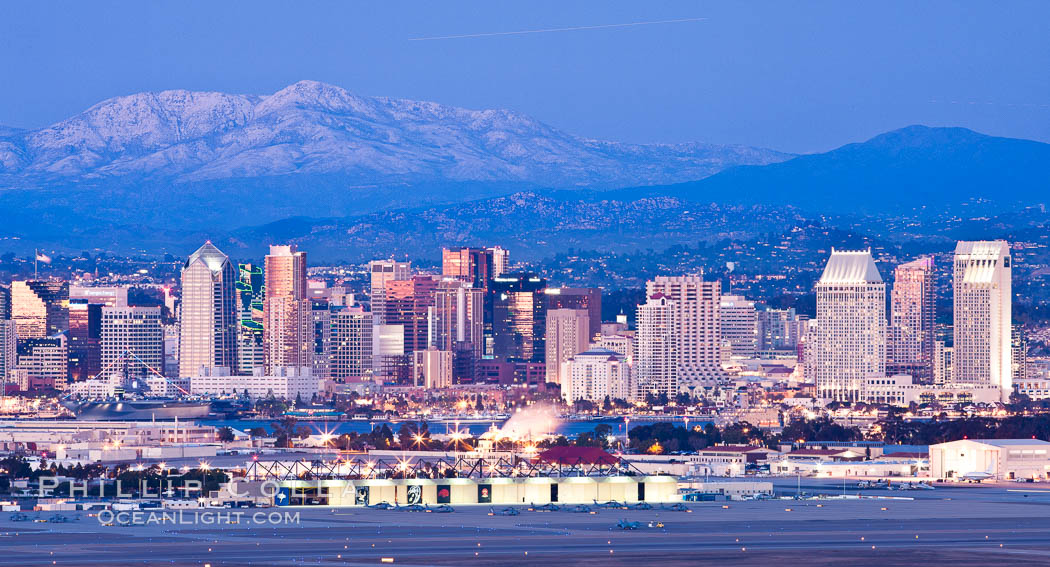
189	517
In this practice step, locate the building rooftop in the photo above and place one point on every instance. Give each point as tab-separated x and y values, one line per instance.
982	259
850	267
1005	442
210	255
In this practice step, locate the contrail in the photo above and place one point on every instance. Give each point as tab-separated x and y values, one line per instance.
552	30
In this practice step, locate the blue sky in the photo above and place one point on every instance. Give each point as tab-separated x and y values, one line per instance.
795	76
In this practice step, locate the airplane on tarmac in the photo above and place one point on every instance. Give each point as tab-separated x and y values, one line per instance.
976	476
628	525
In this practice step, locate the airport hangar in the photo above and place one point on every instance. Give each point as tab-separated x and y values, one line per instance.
996	459
562	475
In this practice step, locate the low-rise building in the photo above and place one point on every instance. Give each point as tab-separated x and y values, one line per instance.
901	390
285	383
595	375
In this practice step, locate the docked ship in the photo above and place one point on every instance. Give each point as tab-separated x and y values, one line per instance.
138	410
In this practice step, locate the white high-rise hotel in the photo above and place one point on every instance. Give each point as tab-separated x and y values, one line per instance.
851	325
699	329
983	314
657	347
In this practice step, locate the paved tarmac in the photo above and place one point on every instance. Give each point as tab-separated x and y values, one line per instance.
960	525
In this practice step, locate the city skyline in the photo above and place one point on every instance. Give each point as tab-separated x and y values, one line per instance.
504	284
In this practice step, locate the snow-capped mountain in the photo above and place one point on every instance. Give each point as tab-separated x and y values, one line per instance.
314	128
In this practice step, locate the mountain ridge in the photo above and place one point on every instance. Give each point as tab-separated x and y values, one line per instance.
311	127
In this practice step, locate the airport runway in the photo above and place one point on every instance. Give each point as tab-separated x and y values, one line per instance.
971	525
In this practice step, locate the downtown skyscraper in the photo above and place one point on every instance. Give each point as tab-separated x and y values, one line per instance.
474	265
287	336
40	308
983	315
379	273
209	320
851	325
519	317
910	342
132	342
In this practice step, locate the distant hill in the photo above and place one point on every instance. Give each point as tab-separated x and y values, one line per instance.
534	225
907	168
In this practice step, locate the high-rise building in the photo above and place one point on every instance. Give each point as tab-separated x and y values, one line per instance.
588	299
251	294
780	330
43	363
519	317
739	326
851	325
209	321
432	368
380	272
110	296
699	332
40	308
5	303
321	338
500	260
656	347
1019	346
983	316
474	265
409	303
388	353
909	348
287	337
942	363
567	334
8	349
85	340
351	344
595	375
132	342
457	324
